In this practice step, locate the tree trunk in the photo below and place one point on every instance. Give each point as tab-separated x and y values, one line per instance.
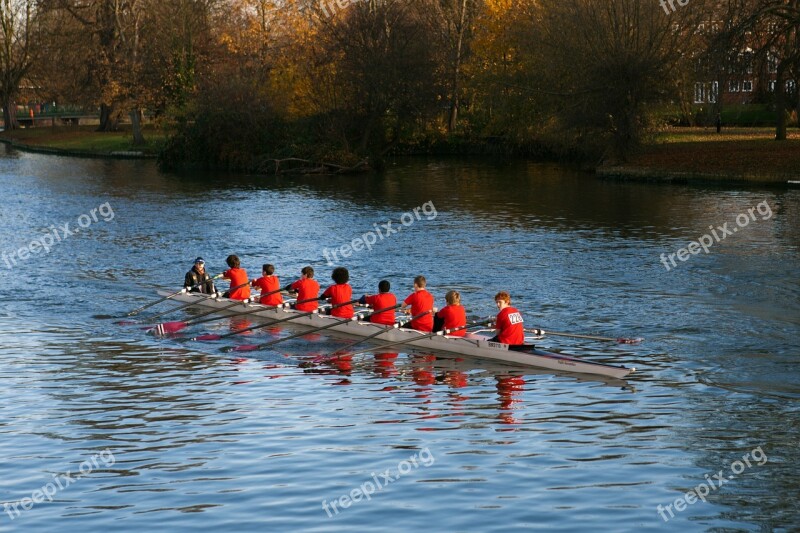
10	115
451	124
780	104
108	119
136	126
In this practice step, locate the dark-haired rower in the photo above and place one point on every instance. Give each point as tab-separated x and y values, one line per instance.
306	288
237	276
340	293
269	283
382	300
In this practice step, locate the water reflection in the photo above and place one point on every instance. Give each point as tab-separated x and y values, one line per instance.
203	439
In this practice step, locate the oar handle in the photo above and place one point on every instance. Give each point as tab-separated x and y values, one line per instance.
376	311
266	293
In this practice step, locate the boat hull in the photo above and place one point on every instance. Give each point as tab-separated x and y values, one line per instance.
470	345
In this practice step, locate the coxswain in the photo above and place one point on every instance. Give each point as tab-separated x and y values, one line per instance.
340	293
420	301
509	325
451	316
198	280
306	288
268	283
382	300
240	283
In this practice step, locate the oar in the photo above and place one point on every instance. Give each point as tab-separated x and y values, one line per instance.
173	327
177	325
180	307
213	337
183	290
396	325
620	340
426	336
253	347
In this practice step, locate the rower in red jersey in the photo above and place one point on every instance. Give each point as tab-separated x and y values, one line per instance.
237	276
509	325
306	288
269	282
420	301
340	293
382	300
452	315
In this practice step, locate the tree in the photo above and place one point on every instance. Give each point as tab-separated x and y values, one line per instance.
453	20
605	64
377	71
18	52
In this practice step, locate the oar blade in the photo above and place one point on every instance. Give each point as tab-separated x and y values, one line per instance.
207	337
172	327
245	348
636	340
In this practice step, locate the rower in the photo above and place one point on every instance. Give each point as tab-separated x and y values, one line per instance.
452	315
340	293
238	278
420	301
306	288
198	280
509	325
383	300
268	283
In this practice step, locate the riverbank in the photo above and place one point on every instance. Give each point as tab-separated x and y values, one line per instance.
84	141
685	155
678	155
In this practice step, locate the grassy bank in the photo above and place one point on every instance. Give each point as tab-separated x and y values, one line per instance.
85	140
736	154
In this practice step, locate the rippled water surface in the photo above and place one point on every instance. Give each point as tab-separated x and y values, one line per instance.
105	427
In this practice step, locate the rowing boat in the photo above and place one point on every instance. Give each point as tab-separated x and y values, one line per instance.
473	345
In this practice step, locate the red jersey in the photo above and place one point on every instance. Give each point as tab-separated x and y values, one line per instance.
238	276
306	288
454	316
420	302
339	294
268	284
382	301
510	329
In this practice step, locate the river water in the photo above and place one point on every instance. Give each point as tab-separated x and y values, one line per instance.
103	426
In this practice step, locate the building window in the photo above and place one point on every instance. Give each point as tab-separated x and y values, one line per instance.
712	94
790	86
699	92
771	86
747	86
733	86
772	64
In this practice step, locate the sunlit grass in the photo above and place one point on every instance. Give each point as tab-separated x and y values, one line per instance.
750	154
86	139
709	134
